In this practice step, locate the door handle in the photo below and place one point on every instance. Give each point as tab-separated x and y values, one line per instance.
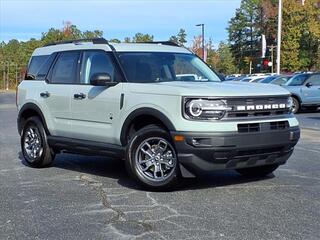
79	96
45	94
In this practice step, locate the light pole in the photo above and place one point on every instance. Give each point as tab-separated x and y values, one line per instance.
279	36
202	36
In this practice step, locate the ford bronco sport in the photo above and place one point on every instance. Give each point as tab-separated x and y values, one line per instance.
155	105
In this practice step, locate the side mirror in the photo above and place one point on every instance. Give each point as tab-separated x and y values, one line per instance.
309	84
101	79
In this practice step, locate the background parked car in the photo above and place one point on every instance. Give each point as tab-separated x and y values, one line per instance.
305	90
268	79
253	78
276	79
281	80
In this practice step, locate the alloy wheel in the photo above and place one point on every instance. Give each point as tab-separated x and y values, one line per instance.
156	159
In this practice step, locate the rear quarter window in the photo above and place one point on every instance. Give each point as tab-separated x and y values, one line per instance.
34	66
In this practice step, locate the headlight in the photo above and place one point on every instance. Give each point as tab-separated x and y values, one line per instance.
204	109
290	104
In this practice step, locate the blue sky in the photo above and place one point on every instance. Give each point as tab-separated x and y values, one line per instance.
117	19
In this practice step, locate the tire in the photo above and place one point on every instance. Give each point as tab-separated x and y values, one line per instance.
260	171
151	159
37	153
296	105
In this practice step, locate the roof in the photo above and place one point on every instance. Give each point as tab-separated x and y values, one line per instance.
119	47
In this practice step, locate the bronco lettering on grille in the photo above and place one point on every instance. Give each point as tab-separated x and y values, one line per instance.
261	107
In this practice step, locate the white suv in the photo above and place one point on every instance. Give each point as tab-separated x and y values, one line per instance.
156	105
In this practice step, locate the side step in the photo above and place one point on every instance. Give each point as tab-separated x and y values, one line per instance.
85	147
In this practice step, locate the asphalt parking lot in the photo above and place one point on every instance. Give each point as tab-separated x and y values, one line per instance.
82	197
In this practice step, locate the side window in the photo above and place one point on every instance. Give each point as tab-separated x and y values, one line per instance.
96	62
42	73
315	80
35	64
65	68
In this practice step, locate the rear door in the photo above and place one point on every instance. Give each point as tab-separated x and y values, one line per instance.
56	93
311	90
95	113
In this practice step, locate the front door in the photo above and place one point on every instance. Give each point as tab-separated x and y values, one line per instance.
95	109
311	90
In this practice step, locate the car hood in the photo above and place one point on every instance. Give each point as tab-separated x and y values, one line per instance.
216	89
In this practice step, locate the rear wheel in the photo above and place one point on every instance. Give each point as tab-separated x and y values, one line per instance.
151	158
295	105
34	146
260	171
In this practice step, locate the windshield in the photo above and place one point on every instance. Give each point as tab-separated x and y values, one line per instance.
268	79
297	80
164	67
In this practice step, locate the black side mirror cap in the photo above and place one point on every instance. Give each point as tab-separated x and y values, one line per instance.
309	84
102	79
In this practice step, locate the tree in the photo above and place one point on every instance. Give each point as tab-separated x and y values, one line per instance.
127	40
309	43
226	63
245	30
291	35
300	33
92	34
180	38
140	37
174	39
114	40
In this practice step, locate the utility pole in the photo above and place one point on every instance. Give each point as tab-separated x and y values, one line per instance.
272	47
202	38
279	36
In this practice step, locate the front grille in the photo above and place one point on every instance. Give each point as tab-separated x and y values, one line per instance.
257	107
259	127
279	125
251	127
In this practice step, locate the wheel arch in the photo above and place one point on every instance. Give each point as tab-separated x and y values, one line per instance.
294	95
142	117
29	110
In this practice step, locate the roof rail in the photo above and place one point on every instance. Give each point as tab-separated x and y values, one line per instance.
169	43
75	41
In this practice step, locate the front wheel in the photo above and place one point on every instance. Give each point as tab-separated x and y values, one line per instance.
295	105
151	158
260	171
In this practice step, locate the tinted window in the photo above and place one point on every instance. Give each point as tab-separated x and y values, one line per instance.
45	67
315	80
34	66
280	80
268	79
164	67
297	80
65	68
96	62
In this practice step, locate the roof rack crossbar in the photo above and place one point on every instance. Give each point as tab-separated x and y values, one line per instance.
93	40
169	43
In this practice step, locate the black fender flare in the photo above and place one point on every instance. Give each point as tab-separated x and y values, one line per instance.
144	111
35	108
297	97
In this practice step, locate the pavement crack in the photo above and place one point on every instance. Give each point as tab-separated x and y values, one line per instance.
119	221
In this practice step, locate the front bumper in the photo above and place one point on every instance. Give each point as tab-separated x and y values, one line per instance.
201	152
